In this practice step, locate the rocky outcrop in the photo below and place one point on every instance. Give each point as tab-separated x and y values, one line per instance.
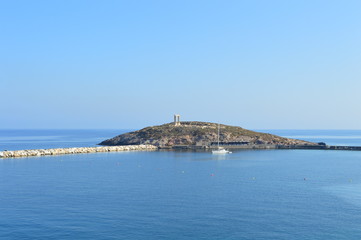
199	134
60	151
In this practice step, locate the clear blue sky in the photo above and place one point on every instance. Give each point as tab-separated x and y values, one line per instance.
128	64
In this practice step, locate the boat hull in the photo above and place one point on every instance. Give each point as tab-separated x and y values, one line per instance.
221	151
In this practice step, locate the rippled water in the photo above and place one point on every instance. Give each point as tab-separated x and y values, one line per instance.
250	194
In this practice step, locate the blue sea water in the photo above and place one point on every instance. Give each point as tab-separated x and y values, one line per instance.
39	138
330	137
250	194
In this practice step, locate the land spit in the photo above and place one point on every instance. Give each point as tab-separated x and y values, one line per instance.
61	151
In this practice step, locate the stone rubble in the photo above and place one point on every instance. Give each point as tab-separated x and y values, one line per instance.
60	151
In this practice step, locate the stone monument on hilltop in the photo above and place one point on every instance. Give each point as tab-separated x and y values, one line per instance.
176	120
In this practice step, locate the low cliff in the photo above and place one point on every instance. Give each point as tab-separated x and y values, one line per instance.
198	134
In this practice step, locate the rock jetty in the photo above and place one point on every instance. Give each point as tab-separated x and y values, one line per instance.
61	151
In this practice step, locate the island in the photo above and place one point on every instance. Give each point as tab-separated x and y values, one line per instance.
195	134
188	135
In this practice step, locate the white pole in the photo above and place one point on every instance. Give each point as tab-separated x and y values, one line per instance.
218	135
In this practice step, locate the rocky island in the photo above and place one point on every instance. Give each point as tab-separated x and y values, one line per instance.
184	135
194	134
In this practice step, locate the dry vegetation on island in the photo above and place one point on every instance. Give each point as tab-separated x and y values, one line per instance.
198	134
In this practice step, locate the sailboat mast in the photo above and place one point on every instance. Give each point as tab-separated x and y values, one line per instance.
218	135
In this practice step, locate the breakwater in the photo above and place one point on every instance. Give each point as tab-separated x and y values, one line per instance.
62	151
322	147
267	146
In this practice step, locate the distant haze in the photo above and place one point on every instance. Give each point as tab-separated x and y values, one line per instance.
129	64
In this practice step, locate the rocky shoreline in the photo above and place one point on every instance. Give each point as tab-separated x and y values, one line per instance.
268	146
62	151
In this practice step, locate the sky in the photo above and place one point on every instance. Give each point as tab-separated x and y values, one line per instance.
129	64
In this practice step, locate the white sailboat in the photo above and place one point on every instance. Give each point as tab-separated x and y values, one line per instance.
220	150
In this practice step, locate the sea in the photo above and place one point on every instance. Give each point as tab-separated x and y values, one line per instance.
249	194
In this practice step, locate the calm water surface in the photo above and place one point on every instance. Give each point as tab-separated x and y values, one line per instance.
250	194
